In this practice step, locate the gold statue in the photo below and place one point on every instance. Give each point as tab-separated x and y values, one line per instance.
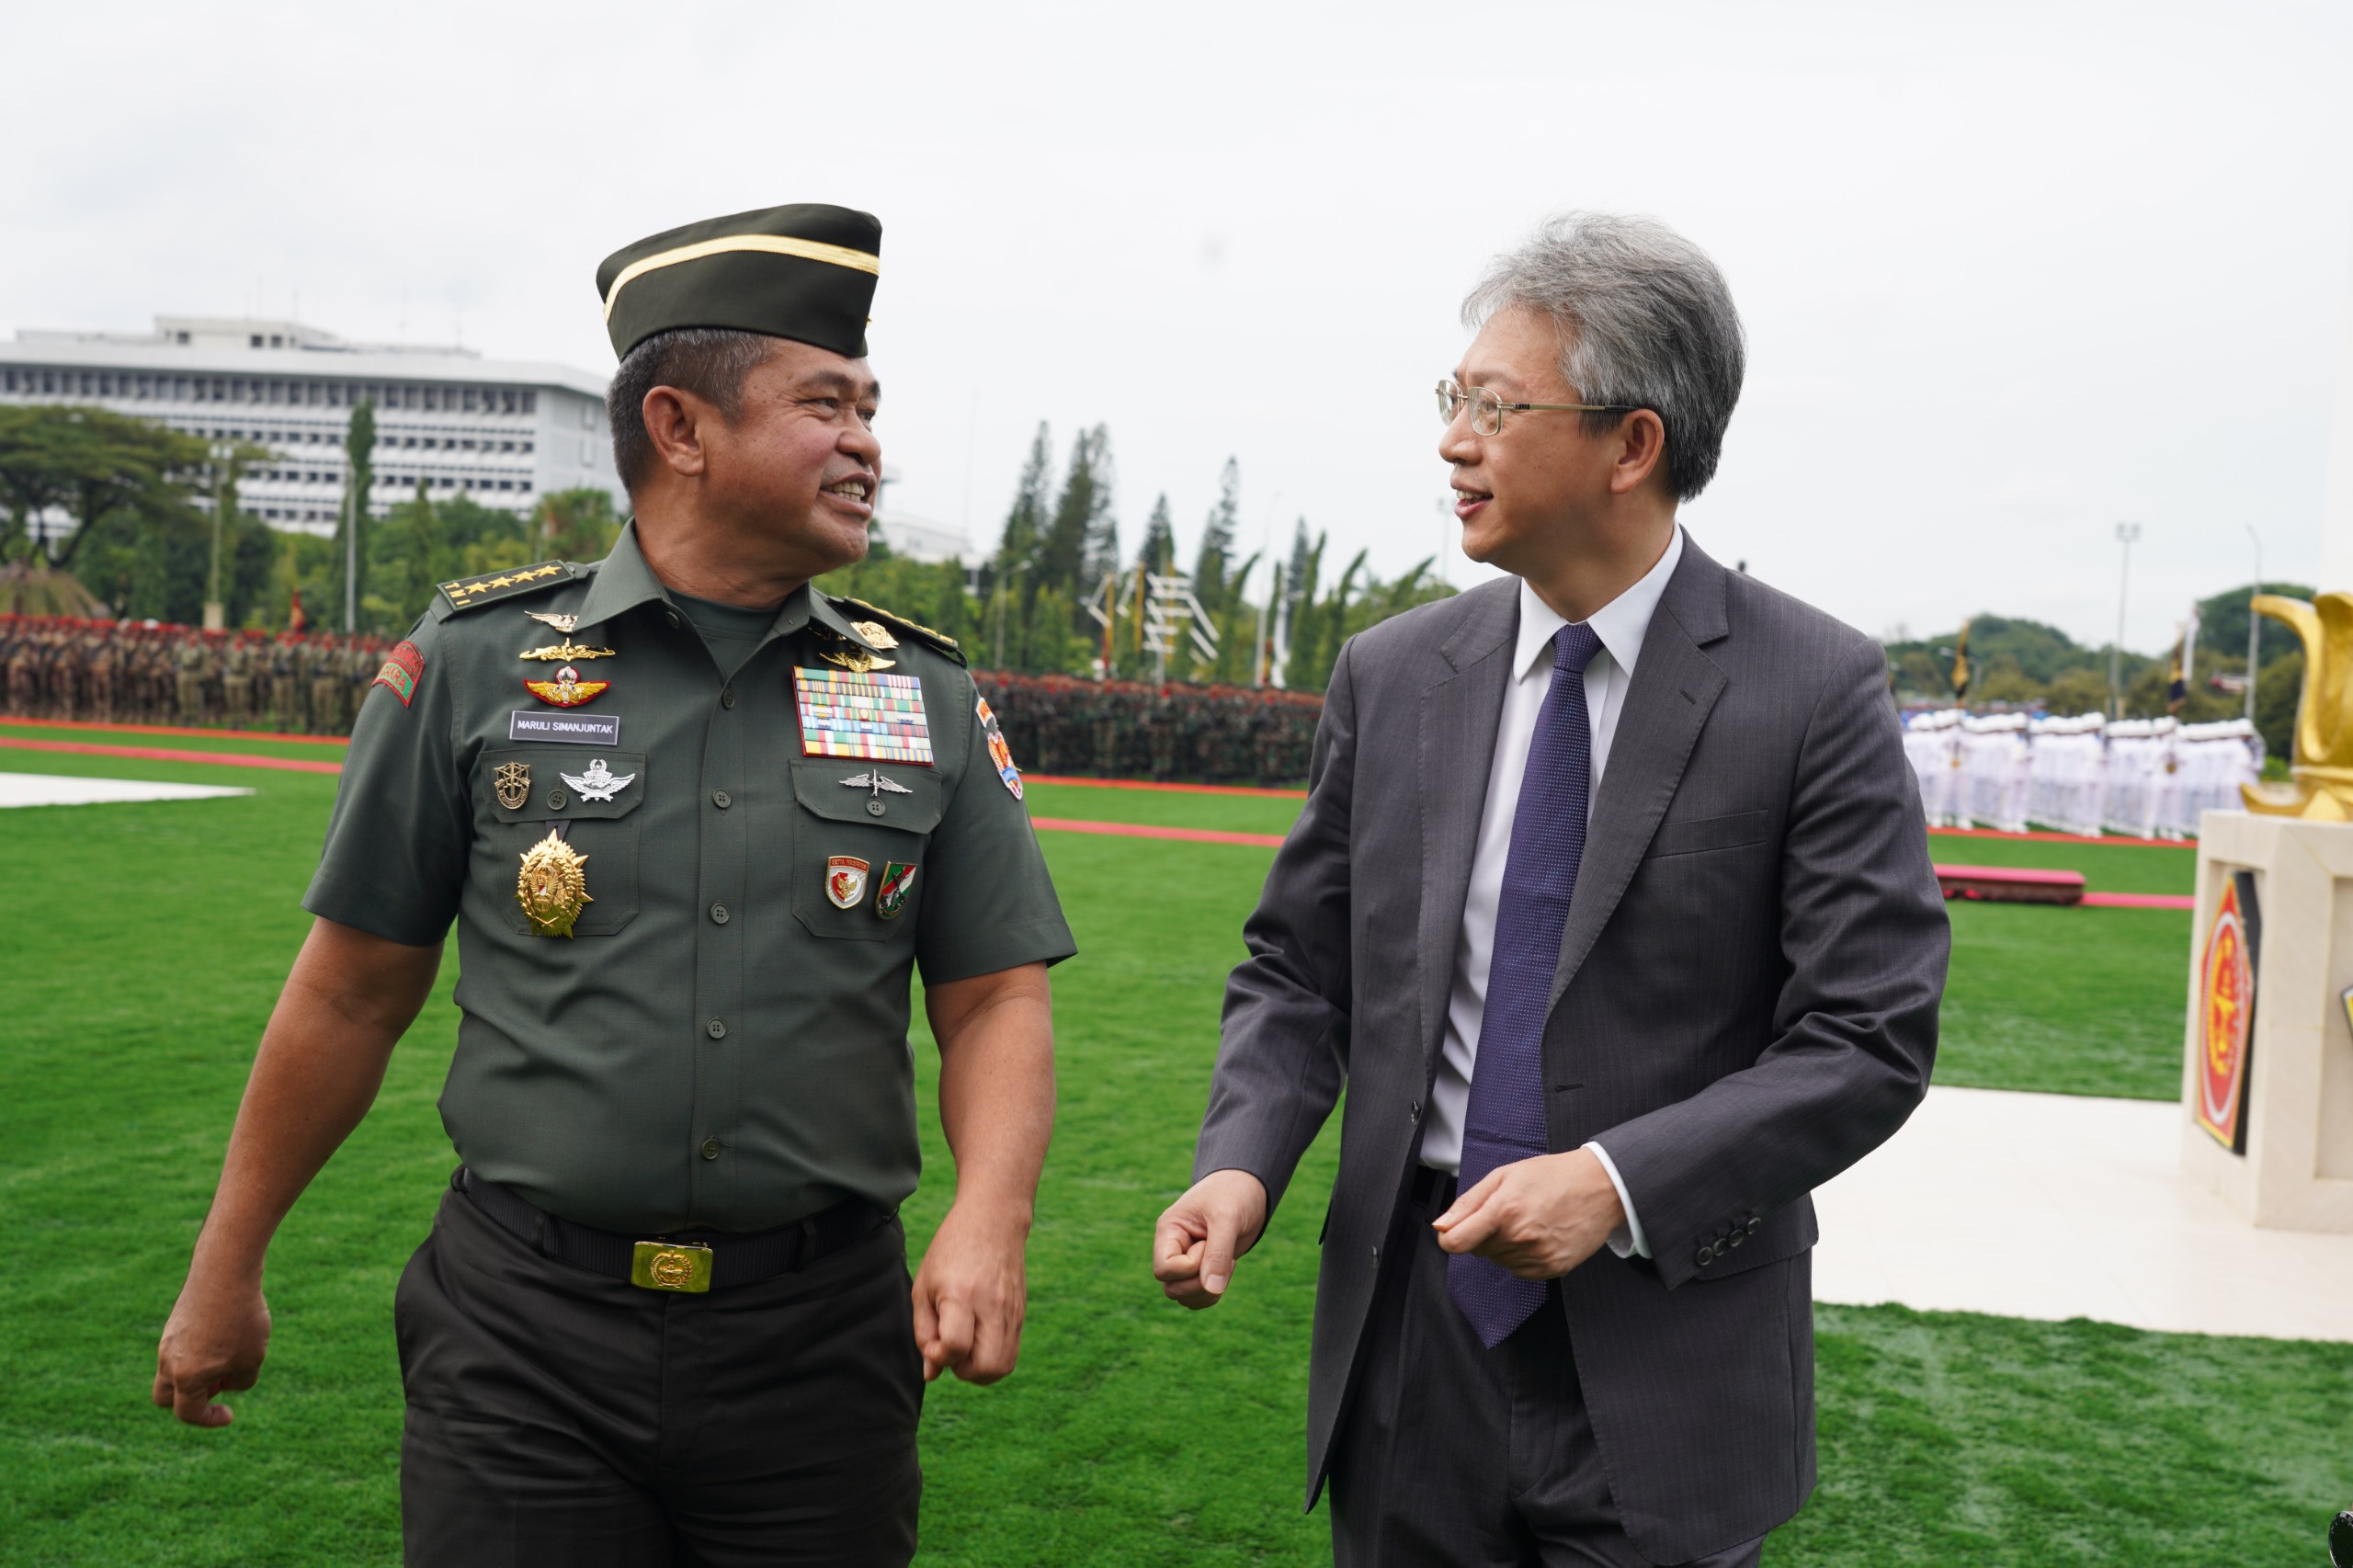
2321	786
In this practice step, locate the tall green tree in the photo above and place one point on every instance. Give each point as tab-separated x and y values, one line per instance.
575	525
1215	557
1079	513
1158	550
91	464
352	521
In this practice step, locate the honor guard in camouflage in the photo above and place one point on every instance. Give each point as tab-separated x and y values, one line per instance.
695	849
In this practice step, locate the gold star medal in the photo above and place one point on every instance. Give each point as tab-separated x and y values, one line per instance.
551	887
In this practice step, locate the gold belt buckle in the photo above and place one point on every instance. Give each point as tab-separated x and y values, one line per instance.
670	1266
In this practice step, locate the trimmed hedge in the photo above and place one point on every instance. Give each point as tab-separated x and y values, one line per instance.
1206	734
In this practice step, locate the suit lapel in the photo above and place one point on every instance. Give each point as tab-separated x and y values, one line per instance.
1674	687
1461	713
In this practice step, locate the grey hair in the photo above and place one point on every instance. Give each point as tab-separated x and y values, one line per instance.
1645	319
708	361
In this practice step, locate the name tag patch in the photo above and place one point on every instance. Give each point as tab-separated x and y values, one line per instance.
579	729
864	715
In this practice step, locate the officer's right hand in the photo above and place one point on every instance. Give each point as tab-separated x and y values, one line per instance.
214	1342
1202	1232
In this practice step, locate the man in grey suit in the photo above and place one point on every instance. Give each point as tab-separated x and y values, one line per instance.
1617	963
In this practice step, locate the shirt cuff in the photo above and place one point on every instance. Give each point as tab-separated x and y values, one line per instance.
1627	1240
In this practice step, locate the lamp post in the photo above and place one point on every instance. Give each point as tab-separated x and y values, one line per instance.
215	616
2254	625
2126	533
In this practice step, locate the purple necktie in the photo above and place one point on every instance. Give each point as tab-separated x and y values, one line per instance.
1506	1119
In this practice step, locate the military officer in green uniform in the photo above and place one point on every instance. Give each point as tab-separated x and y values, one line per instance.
697	824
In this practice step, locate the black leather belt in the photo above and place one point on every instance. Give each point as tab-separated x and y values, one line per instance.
688	1261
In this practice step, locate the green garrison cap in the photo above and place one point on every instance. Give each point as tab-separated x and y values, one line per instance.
805	272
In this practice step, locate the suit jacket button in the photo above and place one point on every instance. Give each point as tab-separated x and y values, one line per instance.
1415	1114
1737	1237
1376	1257
1754	1224
1707	1255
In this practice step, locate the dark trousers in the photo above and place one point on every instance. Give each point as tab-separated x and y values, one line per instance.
558	1417
1457	1455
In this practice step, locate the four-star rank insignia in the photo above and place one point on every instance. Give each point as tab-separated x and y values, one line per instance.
567	691
898	880
513	782
846	881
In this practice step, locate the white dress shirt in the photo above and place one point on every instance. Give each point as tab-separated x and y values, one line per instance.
1620	625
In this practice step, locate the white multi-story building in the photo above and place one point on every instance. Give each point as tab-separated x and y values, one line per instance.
499	433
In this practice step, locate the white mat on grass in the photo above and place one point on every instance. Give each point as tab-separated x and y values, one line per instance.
2060	1206
58	790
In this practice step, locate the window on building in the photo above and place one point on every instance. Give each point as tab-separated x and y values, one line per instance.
530	402
526	445
471	402
257	340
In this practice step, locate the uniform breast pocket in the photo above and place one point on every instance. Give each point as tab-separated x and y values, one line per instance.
520	792
860	830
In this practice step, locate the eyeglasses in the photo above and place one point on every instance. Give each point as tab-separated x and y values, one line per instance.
1487	410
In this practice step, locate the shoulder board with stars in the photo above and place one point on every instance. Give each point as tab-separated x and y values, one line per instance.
491	587
860	609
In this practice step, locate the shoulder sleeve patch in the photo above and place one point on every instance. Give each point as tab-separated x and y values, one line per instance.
491	587
402	667
937	640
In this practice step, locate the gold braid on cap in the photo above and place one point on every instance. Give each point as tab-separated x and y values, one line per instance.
775	244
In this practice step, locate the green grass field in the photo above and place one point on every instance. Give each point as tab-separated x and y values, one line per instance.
147	943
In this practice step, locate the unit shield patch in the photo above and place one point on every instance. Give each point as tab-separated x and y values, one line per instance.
863	715
846	881
2226	1013
890	891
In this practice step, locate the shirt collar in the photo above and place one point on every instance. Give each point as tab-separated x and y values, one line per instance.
1622	624
624	580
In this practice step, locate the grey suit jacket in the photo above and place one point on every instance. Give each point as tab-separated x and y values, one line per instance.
1747	1005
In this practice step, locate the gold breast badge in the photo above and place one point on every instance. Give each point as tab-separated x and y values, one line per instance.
858	661
566	650
552	887
513	781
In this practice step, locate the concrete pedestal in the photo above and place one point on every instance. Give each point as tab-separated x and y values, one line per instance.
2296	1171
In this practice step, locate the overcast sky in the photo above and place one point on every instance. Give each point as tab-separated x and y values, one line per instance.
2011	274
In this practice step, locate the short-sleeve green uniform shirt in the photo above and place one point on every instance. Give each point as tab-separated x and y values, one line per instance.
723	1043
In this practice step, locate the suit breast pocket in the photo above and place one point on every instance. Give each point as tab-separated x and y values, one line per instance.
520	792
1699	835
858	846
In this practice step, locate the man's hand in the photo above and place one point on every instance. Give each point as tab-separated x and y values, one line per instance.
1539	1217
1194	1246
971	1294
997	1105
214	1341
321	1058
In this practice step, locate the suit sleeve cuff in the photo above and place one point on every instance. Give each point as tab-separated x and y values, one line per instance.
1627	1240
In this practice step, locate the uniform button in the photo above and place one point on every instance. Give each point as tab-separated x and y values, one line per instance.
717	1028
718	914
555	800
719	798
710	1148
672	617
1415	1114
727	696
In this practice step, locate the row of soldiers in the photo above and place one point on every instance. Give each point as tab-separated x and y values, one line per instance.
148	672
1217	735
